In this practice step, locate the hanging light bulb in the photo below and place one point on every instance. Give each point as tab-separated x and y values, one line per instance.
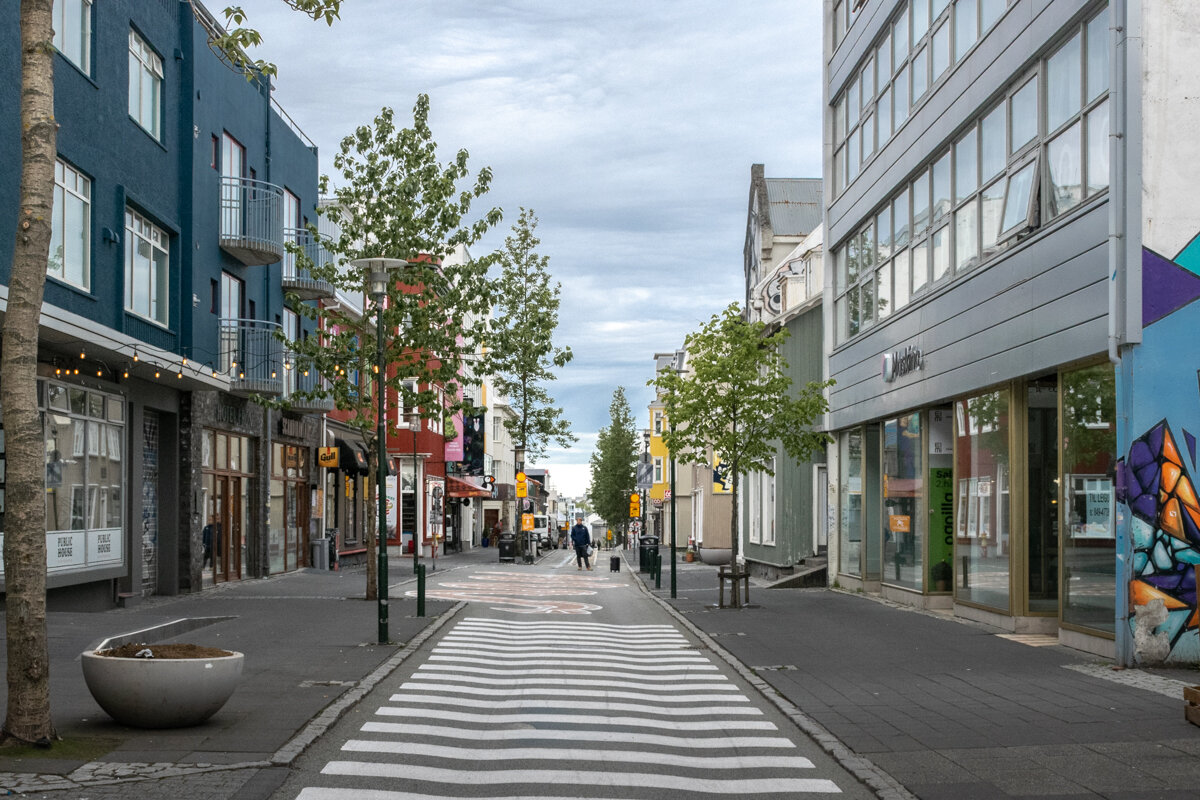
156	374
76	370
185	361
179	374
58	371
99	373
82	355
135	355
125	373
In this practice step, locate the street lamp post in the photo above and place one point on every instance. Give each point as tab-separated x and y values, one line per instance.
672	518
379	274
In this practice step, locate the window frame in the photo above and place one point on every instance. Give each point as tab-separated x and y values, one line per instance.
65	174
80	56
159	273
148	64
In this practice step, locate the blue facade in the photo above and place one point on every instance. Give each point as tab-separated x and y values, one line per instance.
161	368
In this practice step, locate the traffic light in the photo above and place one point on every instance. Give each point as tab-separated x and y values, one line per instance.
522	486
635	505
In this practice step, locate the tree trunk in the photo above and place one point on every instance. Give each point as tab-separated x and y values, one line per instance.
733	536
28	712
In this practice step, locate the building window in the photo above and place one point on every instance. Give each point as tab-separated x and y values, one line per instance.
658	423
147	268
850	494
71	236
73	32
981	518
658	469
85	473
291	330
903	490
924	39
145	85
232	292
1000	179
407	409
497	430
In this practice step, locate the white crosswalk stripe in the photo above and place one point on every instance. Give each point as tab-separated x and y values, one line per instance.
524	709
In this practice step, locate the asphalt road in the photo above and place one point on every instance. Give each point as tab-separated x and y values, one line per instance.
553	682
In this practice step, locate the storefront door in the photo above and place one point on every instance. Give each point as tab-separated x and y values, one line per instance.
226	538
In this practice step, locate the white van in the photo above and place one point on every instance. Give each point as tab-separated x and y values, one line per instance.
542	532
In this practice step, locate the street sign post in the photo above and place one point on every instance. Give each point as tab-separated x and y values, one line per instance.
522	486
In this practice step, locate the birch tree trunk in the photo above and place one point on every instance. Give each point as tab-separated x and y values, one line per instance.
28	713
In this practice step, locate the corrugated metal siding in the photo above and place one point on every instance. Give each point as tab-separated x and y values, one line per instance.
794	205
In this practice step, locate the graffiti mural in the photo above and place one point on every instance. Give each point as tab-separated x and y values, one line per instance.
1155	481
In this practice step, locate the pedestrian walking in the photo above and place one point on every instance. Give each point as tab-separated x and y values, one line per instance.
583	543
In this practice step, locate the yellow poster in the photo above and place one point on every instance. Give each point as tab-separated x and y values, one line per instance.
722	480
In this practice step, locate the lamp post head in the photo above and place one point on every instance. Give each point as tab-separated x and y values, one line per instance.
379	272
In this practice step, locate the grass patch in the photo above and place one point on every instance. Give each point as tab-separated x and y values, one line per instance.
75	748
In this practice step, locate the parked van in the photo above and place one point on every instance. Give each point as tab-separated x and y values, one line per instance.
542	532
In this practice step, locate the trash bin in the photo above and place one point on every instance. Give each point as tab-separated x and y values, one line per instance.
319	549
647	550
507	545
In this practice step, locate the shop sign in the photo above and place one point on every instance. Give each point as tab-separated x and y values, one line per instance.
327	457
297	428
899	523
527	522
899	363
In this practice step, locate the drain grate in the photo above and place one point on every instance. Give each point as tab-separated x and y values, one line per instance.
776	668
311	684
726	633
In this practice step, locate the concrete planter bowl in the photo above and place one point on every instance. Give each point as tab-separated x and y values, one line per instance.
715	556
161	692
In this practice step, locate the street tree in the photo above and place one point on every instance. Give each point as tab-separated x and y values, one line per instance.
395	200
736	400
521	355
27	714
613	464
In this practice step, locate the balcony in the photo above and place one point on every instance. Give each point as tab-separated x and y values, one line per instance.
297	380
252	356
299	280
252	221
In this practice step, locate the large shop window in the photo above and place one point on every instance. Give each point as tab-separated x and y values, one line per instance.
982	525
903	489
289	507
1089	447
850	490
226	475
85	477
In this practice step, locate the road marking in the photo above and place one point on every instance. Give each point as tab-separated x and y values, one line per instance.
633	672
594	737
675	656
614	661
513	640
572	703
641	780
420	712
467	622
439	751
492	689
664	683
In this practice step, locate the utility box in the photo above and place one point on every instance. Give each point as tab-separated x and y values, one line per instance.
318	553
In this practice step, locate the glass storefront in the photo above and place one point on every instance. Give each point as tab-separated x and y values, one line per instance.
850	520
85	477
903	503
289	507
226	470
982	524
1089	446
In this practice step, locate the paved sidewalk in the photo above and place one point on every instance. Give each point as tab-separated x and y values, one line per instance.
311	645
951	709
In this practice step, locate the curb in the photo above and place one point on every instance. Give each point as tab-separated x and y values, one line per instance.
884	785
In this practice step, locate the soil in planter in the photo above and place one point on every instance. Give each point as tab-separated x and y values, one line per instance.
165	651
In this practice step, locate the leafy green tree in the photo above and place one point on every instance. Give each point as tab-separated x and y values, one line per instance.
27	715
237	39
521	355
395	200
736	399
613	464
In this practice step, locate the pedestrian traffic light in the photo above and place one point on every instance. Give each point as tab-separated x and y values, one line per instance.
635	505
522	486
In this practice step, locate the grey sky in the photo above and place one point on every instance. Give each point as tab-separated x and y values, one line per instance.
629	127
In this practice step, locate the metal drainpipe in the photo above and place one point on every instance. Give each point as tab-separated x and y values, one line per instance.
1120	191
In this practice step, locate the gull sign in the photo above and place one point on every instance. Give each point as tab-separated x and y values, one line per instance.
899	363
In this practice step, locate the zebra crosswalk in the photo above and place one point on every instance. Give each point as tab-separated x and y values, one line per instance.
566	709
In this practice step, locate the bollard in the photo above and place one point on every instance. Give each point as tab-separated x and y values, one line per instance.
658	570
420	590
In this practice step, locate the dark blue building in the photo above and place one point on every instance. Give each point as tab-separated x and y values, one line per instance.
178	183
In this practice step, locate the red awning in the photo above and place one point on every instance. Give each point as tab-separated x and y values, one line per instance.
457	487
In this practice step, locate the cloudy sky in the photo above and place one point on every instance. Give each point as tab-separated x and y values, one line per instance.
629	126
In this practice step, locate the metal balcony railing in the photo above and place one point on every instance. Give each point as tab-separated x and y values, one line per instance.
252	220
299	280
298	380
252	356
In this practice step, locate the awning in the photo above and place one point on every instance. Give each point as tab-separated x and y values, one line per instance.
457	487
352	457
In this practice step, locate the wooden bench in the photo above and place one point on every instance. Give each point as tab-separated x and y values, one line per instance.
734	576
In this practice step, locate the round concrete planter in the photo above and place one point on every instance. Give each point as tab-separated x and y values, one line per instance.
715	556
161	692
